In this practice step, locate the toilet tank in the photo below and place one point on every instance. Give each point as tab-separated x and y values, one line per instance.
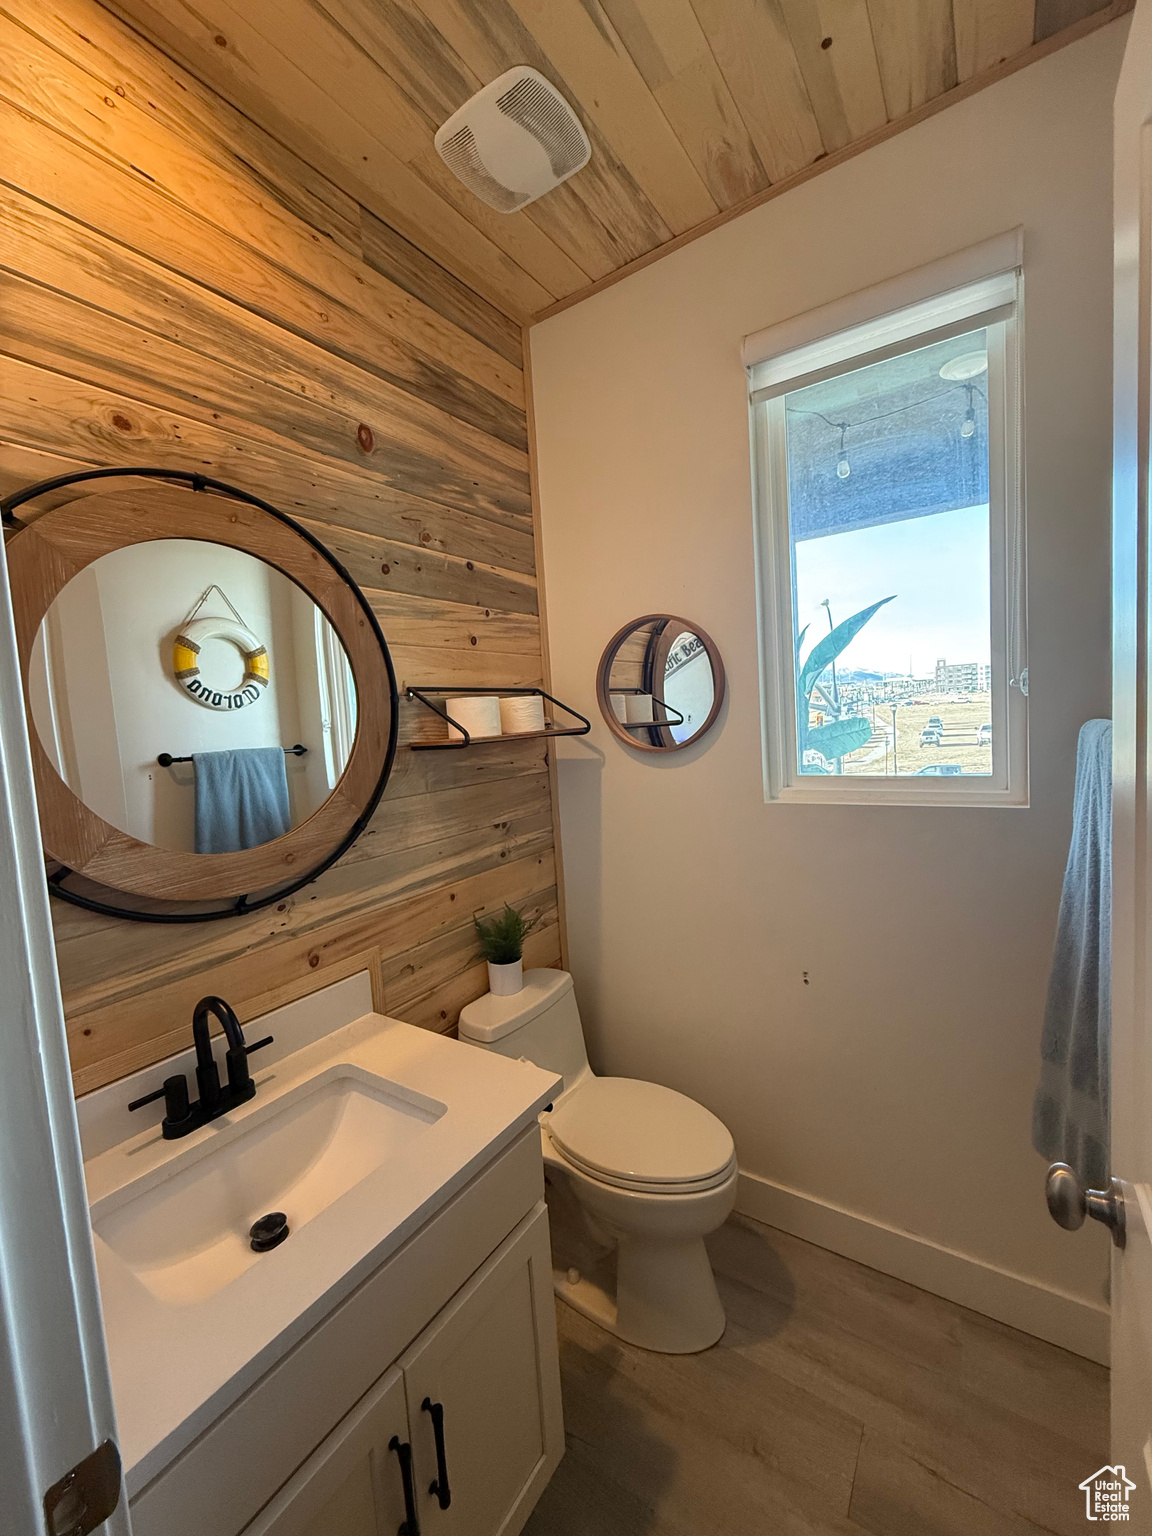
540	1022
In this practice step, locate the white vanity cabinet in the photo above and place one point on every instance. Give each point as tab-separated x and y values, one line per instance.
350	1486
461	1316
487	1364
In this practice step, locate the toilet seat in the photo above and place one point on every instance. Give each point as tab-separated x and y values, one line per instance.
641	1136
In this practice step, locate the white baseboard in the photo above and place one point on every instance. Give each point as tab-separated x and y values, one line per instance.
1041	1310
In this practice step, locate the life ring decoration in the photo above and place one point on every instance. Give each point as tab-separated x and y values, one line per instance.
185	662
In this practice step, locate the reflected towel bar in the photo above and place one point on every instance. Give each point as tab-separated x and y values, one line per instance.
166	759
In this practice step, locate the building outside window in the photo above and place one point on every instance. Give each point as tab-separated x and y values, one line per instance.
890	546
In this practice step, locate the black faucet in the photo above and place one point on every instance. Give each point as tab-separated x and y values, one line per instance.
180	1116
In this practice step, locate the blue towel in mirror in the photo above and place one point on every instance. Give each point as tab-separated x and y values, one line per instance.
241	799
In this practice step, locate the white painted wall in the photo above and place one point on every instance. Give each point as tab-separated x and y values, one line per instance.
858	992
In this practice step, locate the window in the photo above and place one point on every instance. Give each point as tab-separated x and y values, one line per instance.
890	549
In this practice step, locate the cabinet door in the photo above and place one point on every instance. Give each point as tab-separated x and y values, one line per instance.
487	1368
352	1483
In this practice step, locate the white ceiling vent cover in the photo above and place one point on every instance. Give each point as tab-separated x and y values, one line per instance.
514	140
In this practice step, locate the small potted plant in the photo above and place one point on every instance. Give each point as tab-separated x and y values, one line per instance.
502	945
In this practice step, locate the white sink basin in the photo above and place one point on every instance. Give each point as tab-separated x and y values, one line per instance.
360	1136
182	1229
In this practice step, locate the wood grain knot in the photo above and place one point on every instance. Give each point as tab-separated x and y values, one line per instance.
387	569
364	437
220	40
313	961
826	42
121	422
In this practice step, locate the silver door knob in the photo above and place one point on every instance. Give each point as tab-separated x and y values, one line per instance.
1068	1203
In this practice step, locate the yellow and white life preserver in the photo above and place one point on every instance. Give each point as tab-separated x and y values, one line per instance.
185	661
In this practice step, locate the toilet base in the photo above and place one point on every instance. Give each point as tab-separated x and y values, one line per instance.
636	1263
660	1296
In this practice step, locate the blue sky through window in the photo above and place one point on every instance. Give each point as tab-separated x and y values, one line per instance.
938	569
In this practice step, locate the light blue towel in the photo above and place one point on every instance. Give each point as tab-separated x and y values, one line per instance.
1070	1112
241	799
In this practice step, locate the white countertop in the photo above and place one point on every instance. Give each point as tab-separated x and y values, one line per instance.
176	1368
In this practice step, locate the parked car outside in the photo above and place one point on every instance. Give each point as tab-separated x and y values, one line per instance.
942	768
930	736
935	723
984	736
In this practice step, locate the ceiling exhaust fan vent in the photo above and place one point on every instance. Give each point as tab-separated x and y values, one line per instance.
514	140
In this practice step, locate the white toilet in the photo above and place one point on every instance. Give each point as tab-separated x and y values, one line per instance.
648	1170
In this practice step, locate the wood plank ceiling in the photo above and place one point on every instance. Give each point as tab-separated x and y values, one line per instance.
693	107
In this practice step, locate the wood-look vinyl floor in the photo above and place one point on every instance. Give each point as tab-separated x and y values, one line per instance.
840	1402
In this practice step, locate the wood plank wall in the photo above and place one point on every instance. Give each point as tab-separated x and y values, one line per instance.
178	289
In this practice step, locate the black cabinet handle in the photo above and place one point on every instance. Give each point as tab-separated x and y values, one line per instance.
440	1487
411	1523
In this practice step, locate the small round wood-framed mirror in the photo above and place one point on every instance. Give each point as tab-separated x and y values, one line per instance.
660	683
137	606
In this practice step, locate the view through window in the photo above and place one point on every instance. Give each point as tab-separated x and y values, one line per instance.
889	539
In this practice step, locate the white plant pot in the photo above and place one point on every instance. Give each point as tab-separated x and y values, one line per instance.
506	980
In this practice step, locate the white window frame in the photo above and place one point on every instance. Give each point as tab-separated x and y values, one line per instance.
982	287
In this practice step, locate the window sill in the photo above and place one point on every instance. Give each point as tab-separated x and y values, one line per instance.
902	793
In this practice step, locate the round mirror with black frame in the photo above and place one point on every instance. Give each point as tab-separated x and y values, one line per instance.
660	683
212	705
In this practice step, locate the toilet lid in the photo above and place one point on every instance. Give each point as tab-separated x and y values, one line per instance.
640	1131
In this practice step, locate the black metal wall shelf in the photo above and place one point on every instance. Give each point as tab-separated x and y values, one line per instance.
468	740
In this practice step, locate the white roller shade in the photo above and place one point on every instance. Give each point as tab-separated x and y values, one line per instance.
943	294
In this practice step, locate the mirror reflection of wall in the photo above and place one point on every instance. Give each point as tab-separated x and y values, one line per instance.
660	683
688	685
105	701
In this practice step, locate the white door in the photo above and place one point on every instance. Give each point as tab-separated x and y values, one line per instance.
56	1410
483	1390
1132	800
358	1482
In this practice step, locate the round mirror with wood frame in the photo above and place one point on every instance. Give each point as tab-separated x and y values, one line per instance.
660	683
97	863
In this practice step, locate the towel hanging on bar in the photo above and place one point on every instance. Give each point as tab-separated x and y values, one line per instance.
241	799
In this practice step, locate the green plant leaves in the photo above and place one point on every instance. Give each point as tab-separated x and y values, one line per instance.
839	737
826	651
502	935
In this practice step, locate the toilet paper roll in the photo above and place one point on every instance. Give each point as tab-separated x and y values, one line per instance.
619	706
639	708
478	714
522	712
